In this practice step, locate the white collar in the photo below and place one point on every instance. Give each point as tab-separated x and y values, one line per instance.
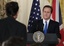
47	21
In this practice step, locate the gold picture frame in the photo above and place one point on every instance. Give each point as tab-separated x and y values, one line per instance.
2	8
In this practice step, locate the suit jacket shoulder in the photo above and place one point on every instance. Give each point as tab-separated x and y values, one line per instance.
54	22
21	24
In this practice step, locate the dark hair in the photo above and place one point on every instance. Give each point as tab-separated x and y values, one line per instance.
11	8
48	6
15	41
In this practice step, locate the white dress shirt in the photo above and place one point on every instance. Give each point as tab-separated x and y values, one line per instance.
45	23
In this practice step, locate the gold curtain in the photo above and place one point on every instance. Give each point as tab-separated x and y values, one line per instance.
62	9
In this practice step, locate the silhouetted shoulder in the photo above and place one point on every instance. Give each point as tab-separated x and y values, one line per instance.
2	21
21	24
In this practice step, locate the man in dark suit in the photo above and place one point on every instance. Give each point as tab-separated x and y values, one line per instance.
46	25
9	27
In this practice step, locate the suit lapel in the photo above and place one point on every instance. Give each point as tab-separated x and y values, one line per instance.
49	26
42	25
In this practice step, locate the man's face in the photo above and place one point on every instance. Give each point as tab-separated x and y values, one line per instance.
46	13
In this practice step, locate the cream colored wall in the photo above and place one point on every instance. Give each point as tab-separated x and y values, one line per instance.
22	14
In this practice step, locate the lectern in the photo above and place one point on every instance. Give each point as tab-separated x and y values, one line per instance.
49	39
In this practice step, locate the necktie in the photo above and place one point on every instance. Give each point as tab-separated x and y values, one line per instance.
45	28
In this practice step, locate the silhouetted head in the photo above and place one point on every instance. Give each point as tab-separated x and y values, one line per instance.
12	9
15	41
